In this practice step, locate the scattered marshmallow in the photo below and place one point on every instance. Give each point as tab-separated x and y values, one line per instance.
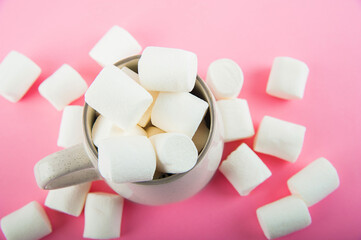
236	118
283	217
71	129
288	78
176	152
104	128
279	138
146	116
178	112
115	45
28	222
118	97
126	159
201	136
63	86
225	78
244	170
103	216
17	74
167	69
153	131
131	74
68	200
316	181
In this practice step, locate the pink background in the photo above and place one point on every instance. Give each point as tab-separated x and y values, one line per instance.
324	34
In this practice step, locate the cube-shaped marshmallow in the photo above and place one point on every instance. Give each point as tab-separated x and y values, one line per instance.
118	97
17	74
178	112
225	78
63	86
176	152
71	129
237	121
104	128
279	138
103	215
115	45
69	200
314	182
126	159
201	136
244	170
284	216
151	130
288	78
146	116
167	69
28	222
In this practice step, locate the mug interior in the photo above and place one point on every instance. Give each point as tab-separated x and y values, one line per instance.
200	90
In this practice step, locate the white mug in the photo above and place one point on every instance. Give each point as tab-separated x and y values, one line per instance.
79	164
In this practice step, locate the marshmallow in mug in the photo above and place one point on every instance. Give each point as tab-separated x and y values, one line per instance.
167	69
237	121
244	170
115	45
118	97
28	222
69	200
288	78
103	216
71	130
63	86
178	112
104	128
314	182
283	217
124	159
225	78
17	75
176	152
279	138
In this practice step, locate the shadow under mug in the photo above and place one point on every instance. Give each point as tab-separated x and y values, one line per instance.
79	164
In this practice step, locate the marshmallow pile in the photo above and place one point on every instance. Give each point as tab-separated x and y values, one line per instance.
275	137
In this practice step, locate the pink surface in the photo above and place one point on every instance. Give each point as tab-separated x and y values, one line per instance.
324	34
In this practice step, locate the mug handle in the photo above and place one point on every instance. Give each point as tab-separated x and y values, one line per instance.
65	168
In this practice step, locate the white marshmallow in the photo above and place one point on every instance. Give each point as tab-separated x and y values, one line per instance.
244	170
104	128
63	86
288	78
201	136
283	217
225	78
146	116
115	45
236	118
17	74
28	222
315	182
118	97
279	138
178	112
131	74
167	69
103	216
126	159
68	200
153	131
176	152
71	129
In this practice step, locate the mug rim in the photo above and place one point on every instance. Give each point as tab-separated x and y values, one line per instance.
211	104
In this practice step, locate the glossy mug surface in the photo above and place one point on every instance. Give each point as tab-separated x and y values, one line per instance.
79	164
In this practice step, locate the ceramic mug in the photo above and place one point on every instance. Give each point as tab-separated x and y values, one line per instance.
79	164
